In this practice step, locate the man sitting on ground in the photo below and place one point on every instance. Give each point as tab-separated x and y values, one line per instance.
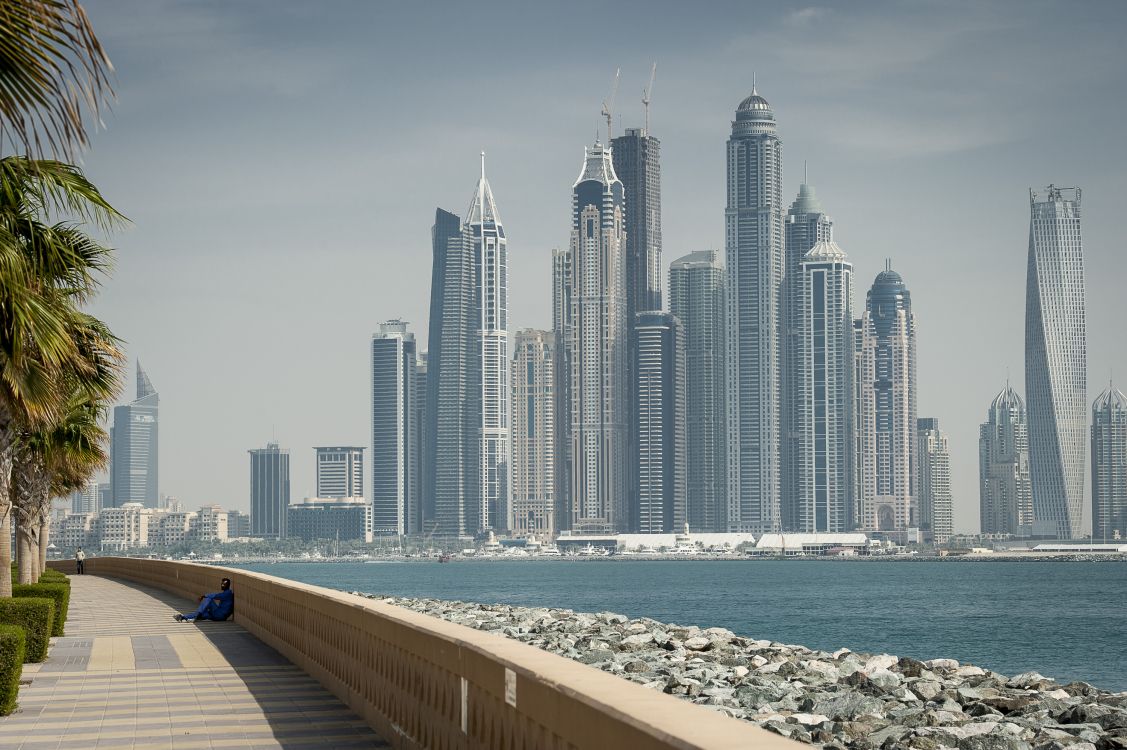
217	606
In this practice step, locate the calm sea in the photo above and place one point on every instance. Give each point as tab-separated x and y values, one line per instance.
1065	620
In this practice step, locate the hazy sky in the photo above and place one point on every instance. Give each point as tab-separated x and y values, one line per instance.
281	163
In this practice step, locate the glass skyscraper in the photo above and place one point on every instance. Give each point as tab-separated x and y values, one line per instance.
753	231
269	491
933	482
340	471
133	447
534	439
1056	361
395	459
696	298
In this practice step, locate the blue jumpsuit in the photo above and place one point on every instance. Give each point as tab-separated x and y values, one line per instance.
217	606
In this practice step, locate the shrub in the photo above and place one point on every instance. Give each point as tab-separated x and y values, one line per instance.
59	592
50	575
35	616
12	641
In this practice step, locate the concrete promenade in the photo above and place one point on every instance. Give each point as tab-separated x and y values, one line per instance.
126	675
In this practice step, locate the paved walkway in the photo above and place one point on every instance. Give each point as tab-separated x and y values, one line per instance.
128	676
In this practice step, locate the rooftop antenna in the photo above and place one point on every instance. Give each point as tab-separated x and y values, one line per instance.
483	165
608	103
754	91
805	173
646	96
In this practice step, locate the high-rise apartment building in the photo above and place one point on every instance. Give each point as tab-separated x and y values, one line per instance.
468	411
805	226
269	491
937	507
1005	494
486	238
1056	361
596	342
133	447
424	468
561	335
340	471
1109	465
696	298
85	500
534	438
887	418
659	429
821	427
753	231
395	458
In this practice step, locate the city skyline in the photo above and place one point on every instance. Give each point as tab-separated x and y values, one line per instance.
872	210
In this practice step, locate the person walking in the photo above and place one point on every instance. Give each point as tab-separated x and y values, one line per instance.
80	561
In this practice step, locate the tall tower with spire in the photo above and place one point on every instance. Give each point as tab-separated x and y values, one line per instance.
1109	465
594	337
753	231
133	447
806	225
485	236
1056	361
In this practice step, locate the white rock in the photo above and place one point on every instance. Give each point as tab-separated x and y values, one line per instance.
809	720
970	671
1059	694
941	664
757	661
884	678
841	652
697	643
822	668
770	668
881	661
741	671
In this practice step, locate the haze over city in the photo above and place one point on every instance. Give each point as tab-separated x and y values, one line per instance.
282	165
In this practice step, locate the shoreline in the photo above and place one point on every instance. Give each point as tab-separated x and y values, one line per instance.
840	699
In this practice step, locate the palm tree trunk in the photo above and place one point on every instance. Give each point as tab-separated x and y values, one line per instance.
44	540
25	554
6	450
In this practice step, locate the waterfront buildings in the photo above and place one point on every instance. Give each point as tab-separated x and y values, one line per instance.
534	438
340	471
659	429
820	433
1109	465
467	425
561	336
269	491
887	411
696	298
805	226
933	484
595	336
338	519
133	447
1005	493
753	230
395	455
1056	361
124	527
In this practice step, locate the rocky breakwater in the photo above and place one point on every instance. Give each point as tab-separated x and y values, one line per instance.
834	700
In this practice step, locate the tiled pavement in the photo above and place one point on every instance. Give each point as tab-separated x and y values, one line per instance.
128	676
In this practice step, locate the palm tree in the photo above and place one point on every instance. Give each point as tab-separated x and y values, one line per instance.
54	76
47	270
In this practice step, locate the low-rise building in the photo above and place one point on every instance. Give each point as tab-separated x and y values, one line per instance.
211	524
124	528
344	518
810	544
76	530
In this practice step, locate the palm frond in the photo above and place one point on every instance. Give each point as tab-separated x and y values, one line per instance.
54	76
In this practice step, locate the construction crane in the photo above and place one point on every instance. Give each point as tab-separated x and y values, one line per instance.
608	103
646	96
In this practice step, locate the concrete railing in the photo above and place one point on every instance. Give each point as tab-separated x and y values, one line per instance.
422	682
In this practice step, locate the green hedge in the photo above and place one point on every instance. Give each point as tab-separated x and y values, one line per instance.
35	616
54	576
12	640
59	592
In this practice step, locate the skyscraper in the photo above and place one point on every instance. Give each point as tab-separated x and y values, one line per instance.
887	422
597	349
659	373
753	230
424	468
534	438
822	426
696	298
561	334
937	507
1005	495
1056	361
486	238
269	491
1109	465
133	447
445	376
395	460
806	225
340	471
